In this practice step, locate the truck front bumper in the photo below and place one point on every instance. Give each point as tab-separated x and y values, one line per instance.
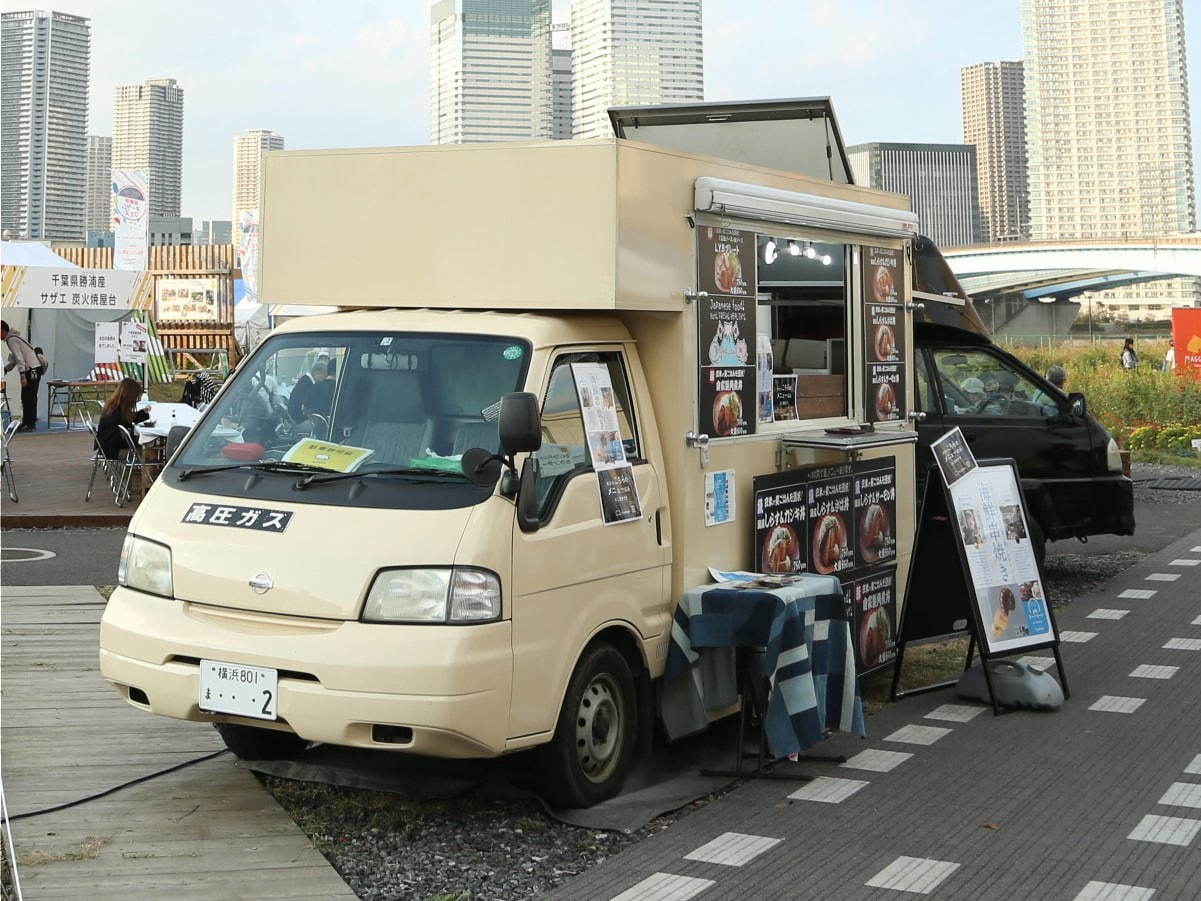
449	685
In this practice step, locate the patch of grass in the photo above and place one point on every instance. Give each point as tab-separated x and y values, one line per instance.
1165	457
168	393
88	849
924	664
106	591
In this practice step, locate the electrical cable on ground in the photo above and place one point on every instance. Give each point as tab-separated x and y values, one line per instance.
117	788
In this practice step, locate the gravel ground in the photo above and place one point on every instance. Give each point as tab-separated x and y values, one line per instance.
473	849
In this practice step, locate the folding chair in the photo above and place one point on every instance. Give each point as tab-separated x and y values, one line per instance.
6	460
126	466
98	460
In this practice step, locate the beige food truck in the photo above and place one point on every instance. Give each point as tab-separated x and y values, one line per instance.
563	386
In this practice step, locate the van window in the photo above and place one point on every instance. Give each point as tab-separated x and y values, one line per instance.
976	383
803	305
923	396
564	452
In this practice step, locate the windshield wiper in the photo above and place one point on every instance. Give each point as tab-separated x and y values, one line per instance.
315	479
262	466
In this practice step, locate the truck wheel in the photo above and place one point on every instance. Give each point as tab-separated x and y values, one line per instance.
250	743
593	747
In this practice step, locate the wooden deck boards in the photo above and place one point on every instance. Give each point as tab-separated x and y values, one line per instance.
208	831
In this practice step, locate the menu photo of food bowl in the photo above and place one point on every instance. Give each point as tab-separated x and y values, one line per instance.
876	541
829	544
886	401
727	412
885	344
883	286
727	270
875	636
781	551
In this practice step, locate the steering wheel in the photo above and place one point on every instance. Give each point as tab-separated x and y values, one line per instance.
1002	400
320	425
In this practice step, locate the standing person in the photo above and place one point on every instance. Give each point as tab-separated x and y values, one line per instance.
22	356
1058	377
43	363
1169	358
1129	357
119	410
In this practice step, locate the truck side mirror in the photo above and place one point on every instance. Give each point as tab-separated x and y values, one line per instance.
1079	407
520	423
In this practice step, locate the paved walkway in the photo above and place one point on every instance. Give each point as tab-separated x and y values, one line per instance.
1100	799
52	471
206	831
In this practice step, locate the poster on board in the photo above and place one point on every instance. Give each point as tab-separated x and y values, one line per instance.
953	456
187	300
873	600
108	342
134	345
883	334
615	476
726	333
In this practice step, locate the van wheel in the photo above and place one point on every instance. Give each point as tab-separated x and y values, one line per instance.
593	747
1038	541
249	743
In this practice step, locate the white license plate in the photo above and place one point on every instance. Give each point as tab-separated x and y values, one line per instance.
238	689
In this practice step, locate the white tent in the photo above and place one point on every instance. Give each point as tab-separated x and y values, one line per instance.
31	253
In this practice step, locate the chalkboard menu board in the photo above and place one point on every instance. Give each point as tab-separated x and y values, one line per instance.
837	520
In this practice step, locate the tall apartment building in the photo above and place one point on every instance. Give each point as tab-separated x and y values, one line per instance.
490	71
994	122
627	52
248	168
1107	130
45	60
98	208
940	179
560	69
148	135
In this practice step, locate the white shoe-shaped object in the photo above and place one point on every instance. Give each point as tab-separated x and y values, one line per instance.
1016	685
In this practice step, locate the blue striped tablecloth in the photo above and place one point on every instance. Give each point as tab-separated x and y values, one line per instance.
808	655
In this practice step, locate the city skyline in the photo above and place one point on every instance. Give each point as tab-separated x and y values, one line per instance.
363	79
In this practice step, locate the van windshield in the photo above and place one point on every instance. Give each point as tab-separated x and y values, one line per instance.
360	402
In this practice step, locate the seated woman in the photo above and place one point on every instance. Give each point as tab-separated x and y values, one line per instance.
119	410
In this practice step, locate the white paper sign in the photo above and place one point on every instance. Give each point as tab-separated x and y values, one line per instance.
36	287
615	477
108	341
131	218
135	342
719	497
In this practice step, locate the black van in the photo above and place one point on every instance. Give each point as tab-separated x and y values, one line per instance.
1070	467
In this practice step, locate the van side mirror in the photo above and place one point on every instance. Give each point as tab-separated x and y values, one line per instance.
1079	407
520	423
481	466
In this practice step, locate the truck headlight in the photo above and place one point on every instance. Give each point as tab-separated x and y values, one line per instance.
145	566
442	595
1113	457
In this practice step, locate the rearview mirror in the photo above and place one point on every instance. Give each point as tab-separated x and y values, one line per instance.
520	423
1079	407
481	466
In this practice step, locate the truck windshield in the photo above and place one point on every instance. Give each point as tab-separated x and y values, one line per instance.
360	402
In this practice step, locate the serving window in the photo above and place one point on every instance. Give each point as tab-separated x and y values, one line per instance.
803	312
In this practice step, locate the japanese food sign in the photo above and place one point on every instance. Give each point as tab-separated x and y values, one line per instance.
883	335
726	338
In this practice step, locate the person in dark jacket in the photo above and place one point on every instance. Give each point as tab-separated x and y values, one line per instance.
119	410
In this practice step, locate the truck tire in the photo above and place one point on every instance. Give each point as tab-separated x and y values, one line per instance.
593	748
249	743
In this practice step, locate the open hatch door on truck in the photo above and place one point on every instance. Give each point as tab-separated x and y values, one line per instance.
938	290
798	135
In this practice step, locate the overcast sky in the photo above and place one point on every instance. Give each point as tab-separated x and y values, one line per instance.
355	73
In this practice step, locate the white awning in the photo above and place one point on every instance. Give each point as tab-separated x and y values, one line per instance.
32	253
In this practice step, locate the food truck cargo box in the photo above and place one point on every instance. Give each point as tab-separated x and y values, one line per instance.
558	225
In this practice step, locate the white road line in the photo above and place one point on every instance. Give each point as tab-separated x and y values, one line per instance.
1116	704
39	554
1183	644
1196	622
918	735
913	874
1077	637
665	887
1106	613
1197	549
1182	794
960	713
1113	891
1185	561
828	789
1138	594
1163	577
732	849
1166	830
1147	671
877	761
1194	768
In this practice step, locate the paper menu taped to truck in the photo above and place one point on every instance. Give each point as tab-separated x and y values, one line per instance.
728	387
883	335
995	536
614	474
